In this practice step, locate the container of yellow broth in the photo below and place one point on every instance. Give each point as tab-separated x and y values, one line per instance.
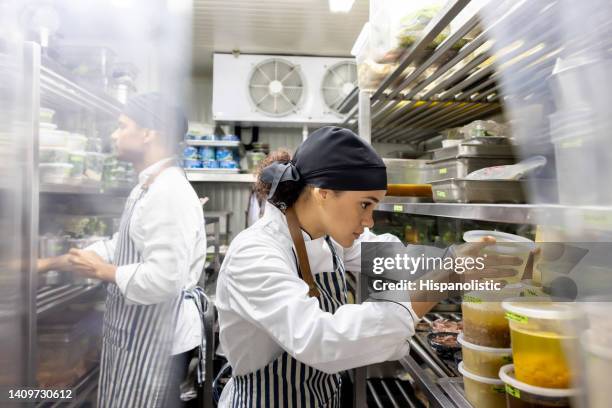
543	334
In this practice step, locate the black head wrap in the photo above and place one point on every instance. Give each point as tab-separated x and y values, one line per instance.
333	158
151	111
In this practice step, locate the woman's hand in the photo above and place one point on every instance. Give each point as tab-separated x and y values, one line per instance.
91	265
496	266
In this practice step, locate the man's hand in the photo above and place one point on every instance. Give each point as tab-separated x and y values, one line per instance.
89	264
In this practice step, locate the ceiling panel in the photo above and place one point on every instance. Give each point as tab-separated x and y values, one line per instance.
300	27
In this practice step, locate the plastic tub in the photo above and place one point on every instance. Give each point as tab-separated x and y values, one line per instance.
542	334
225	153
53	154
228	164
192	164
483	392
46	114
77	159
484	319
521	395
77	142
597	369
506	244
210	164
483	361
207	153
53	138
191	153
57	173
94	165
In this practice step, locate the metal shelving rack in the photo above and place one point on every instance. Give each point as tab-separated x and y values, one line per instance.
447	88
53	86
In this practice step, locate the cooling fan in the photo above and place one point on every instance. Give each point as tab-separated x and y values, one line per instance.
339	81
276	87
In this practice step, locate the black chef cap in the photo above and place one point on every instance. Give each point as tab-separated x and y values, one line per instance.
151	111
334	158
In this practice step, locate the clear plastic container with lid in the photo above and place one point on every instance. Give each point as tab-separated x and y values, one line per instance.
484	319
483	361
483	392
521	395
597	358
543	335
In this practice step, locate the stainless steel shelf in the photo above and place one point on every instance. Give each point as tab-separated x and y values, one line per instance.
212	143
54	298
597	218
49	188
200	176
449	88
58	87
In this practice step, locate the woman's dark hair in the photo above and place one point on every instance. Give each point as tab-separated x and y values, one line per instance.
287	192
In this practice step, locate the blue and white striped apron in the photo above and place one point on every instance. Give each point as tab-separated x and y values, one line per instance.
286	382
137	339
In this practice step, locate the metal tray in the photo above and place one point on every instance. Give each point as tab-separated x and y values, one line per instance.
462	166
478	191
474	150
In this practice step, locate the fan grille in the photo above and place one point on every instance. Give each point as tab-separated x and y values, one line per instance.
338	82
276	87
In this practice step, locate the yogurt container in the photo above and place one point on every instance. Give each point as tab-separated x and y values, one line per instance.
190	153
207	153
225	153
192	164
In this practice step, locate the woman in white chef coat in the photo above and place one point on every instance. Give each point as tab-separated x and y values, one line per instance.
152	265
288	332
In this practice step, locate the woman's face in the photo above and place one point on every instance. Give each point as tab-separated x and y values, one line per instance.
345	214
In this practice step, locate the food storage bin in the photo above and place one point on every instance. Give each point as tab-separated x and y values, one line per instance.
597	359
225	153
481	128
461	167
94	165
77	159
254	158
478	191
543	334
191	153
53	138
405	171
55	173
464	149
76	141
53	154
521	395
228	164
192	164
46	114
483	392
484	319
481	360
207	153
210	164
506	245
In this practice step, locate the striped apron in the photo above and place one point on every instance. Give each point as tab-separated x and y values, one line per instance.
286	382
137	339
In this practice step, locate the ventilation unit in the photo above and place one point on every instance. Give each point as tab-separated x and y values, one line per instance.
265	89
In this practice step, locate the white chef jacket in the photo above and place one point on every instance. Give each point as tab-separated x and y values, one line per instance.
167	227
264	307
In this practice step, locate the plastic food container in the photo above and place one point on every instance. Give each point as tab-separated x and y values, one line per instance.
484	319
210	164
77	142
53	138
228	164
543	333
190	153
405	171
46	114
521	395
597	369
483	361
53	155
506	244
57	173
207	153
483	392
94	165
225	153
77	159
192	164
462	166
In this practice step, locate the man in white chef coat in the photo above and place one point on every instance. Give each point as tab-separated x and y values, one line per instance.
152	322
